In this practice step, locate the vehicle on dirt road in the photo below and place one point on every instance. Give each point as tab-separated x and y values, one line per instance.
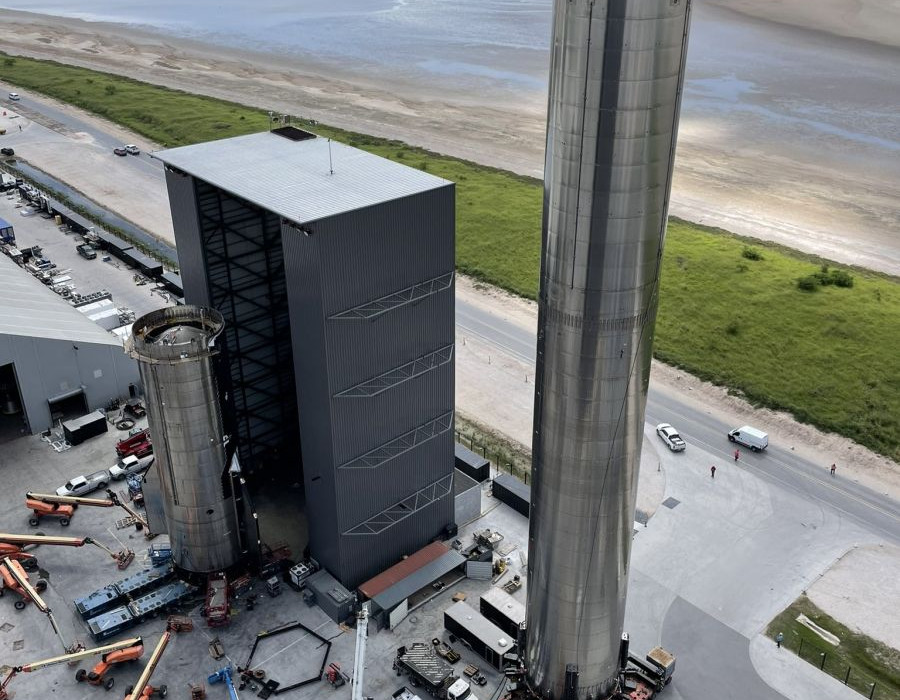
119	151
132	149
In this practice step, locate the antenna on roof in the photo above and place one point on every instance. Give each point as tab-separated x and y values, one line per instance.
330	162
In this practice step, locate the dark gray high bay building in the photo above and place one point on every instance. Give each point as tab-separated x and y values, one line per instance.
333	269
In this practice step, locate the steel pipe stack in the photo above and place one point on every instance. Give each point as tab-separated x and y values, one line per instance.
174	348
616	77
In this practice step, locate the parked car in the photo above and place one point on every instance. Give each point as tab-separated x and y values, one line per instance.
129	465
86	250
81	485
671	437
7	151
132	149
14	96
119	151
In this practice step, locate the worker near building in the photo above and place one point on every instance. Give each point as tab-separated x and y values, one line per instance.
779	638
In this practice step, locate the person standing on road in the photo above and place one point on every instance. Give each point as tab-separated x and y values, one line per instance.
712	471
833	469
779	638
737	455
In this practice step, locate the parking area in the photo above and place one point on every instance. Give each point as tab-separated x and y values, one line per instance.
59	245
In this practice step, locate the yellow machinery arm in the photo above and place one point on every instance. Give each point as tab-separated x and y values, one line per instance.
152	663
70	500
65	658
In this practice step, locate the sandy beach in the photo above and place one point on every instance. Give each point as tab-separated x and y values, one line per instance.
797	140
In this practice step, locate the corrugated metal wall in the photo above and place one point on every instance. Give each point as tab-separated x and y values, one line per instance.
46	368
366	451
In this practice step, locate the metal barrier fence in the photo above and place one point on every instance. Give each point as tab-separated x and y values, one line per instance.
829	662
500	459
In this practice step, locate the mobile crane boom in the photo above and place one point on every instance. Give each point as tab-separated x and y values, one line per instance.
21	578
65	658
123	558
69	500
359	659
138	690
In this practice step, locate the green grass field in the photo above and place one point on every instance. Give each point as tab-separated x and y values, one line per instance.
825	355
858	660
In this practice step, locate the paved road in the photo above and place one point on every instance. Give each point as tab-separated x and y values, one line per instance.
47	114
780	465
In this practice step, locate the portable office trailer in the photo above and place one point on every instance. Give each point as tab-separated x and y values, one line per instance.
503	610
509	490
478	633
471	464
80	429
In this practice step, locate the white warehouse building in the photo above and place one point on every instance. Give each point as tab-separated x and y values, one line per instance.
54	362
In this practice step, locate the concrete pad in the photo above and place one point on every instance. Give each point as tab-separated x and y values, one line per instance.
793	677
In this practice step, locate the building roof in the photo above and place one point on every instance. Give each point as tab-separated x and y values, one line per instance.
503	602
402	569
416	581
300	180
30	309
482	628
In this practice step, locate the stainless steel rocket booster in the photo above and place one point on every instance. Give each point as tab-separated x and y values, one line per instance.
616	77
174	348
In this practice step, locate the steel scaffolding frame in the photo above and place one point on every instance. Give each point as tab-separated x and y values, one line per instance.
246	283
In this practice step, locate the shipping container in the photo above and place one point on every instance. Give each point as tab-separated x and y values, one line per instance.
478	633
503	610
335	600
509	490
80	429
471	464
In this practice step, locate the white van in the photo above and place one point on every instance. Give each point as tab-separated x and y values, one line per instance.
14	96
755	439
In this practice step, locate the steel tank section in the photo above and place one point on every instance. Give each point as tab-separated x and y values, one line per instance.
174	348
617	72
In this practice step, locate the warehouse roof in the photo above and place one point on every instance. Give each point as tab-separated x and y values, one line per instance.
30	309
299	176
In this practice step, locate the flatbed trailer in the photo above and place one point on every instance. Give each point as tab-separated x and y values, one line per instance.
115	594
127	616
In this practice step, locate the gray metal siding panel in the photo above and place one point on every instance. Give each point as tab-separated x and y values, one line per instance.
467	504
386	247
183	203
340	263
364	556
46	368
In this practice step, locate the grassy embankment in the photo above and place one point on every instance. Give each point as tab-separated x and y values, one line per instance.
858	660
828	356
